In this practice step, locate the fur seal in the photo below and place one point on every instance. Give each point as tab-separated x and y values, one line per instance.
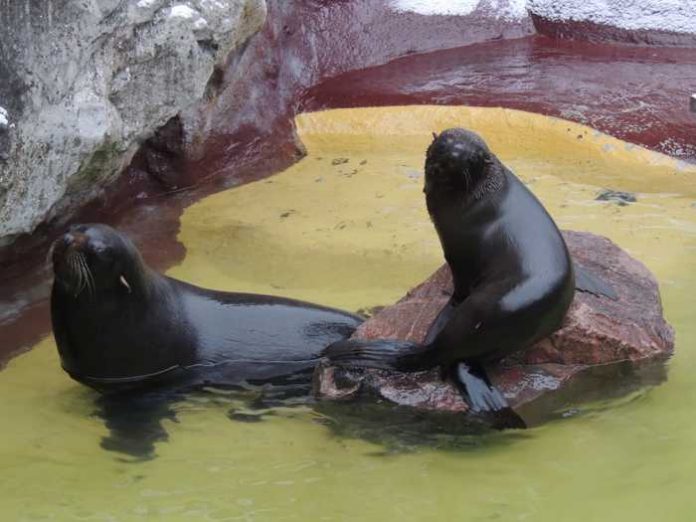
119	325
513	276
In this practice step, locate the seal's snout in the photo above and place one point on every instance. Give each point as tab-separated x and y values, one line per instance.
76	240
67	242
64	251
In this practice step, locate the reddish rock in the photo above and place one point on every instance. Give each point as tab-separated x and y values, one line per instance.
598	331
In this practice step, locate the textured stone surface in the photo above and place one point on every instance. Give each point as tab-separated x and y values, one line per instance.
83	83
597	331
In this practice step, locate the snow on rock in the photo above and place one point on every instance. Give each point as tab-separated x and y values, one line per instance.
200	23
183	11
501	9
506	9
436	7
660	15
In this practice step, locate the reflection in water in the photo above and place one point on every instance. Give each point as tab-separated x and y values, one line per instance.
596	388
137	423
400	429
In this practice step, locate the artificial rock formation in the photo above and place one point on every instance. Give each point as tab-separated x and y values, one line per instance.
83	83
597	331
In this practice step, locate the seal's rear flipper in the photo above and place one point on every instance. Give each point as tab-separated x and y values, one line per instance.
587	282
484	398
387	354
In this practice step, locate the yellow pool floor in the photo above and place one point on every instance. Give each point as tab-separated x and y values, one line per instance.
346	226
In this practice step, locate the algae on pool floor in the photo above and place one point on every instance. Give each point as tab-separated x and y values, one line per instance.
346	226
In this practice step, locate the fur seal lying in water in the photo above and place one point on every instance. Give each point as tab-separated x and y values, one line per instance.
119	325
512	273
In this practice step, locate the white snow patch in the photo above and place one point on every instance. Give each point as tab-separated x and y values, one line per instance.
436	7
144	4
4	117
508	9
182	11
501	9
201	23
661	15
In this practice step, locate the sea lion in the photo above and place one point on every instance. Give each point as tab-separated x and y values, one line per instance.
119	325
513	276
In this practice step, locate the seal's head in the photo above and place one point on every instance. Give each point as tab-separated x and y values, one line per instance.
95	258
456	160
111	333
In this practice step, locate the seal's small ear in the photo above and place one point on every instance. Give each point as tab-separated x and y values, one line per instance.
123	281
434	136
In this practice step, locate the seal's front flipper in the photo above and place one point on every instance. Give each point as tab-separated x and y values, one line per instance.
476	388
587	282
484	398
383	354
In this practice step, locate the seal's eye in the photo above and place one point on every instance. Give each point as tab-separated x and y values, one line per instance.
105	255
82	229
100	255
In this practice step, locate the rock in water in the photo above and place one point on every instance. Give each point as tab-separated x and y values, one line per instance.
610	341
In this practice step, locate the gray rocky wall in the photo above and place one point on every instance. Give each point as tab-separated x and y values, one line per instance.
84	82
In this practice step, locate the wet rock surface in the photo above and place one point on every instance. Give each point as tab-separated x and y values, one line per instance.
620	198
616	345
85	82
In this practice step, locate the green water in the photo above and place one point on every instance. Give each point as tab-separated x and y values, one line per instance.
631	459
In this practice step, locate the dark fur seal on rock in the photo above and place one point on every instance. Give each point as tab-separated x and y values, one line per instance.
513	276
119	325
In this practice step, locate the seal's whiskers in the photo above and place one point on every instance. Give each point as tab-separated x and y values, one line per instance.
467	179
78	270
87	273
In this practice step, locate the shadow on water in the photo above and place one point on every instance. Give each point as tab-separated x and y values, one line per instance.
404	430
136	423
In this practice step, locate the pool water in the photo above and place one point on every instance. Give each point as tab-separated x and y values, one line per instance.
347	227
